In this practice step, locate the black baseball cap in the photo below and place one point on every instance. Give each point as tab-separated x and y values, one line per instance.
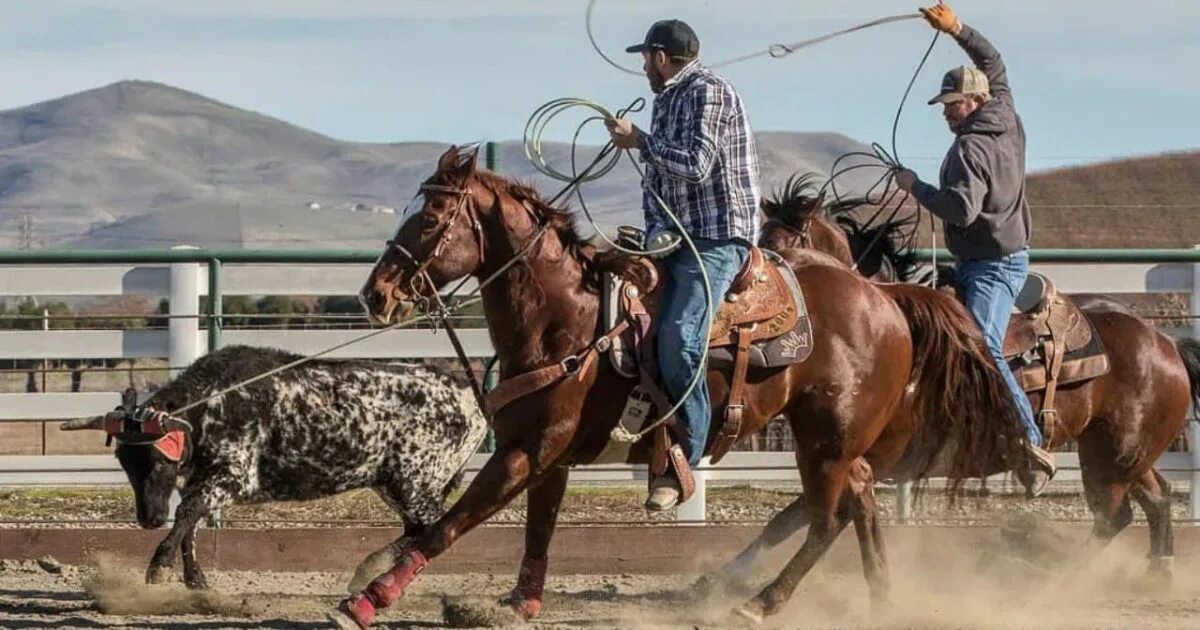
673	37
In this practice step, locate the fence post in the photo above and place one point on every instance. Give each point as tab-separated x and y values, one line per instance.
696	509
183	329
490	157
1194	427
904	502
215	305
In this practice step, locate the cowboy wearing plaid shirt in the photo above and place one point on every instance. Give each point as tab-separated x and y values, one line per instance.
700	160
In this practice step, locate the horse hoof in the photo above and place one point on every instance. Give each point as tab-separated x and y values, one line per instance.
703	588
197	584
1163	567
526	608
751	611
355	613
158	575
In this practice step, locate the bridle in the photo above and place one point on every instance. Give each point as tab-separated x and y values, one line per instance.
803	231
445	234
432	302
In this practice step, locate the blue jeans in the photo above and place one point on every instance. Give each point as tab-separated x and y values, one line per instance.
990	288
683	331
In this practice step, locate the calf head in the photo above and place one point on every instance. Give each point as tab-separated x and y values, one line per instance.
152	447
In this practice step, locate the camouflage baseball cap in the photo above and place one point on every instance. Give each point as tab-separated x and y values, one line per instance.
961	82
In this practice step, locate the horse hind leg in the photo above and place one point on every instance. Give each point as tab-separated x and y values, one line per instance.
736	574
831	508
870	536
1153	493
1111	512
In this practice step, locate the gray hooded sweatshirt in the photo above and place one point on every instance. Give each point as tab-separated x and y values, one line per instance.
981	199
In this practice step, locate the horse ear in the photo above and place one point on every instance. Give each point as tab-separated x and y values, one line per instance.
449	160
468	159
768	208
459	162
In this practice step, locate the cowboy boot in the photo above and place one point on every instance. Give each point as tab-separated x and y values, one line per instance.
1041	469
665	491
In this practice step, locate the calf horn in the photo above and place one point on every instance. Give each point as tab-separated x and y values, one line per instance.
171	423
80	424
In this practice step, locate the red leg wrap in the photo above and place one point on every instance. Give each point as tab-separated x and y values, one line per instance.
385	590
526	598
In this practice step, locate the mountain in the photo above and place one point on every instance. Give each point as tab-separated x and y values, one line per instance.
139	164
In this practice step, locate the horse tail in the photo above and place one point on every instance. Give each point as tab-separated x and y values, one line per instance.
1189	351
966	418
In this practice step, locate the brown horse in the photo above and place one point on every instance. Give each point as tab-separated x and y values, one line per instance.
1123	421
889	363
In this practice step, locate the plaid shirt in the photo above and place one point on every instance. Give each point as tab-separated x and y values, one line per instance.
701	159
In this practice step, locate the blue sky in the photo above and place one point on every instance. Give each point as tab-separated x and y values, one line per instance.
1094	79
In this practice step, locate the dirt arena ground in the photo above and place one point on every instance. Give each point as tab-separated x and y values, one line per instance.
1027	576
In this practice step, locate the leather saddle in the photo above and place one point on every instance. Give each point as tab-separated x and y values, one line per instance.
762	321
1049	343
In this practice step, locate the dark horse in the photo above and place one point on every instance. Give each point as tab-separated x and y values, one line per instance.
796	216
892	366
1123	421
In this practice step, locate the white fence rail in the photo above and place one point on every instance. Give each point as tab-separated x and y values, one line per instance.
184	341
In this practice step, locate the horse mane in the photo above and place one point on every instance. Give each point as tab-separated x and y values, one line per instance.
561	220
793	203
888	238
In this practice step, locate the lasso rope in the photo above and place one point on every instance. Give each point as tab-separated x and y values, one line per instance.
880	158
775	51
601	165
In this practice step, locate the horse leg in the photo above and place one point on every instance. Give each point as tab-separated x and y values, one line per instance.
831	508
1109	502
1153	493
870	537
505	475
541	515
737	573
384	558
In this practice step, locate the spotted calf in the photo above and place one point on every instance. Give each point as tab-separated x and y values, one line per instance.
311	431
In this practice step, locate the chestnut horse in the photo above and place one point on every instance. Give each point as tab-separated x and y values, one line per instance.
1123	421
896	373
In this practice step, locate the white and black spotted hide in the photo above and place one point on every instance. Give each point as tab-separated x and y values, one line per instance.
322	428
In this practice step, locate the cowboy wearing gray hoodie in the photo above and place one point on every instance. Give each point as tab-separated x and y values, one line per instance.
981	202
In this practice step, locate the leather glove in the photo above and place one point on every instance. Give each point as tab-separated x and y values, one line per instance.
941	17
